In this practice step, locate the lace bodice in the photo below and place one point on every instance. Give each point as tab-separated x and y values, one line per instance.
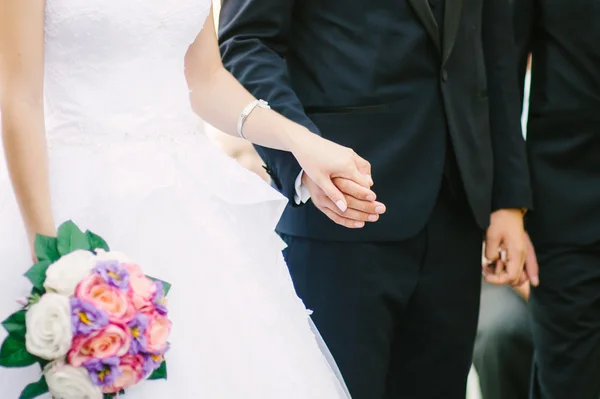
116	69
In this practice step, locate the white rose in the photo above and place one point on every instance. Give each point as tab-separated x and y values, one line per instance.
112	255
63	275
48	325
68	382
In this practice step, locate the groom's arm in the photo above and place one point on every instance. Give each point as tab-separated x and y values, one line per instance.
253	38
511	188
526	17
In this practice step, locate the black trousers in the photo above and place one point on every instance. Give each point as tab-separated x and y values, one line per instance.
400	318
565	311
504	347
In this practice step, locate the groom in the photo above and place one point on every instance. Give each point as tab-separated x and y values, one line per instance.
426	91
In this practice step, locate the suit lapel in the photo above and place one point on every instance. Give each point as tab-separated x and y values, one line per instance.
423	11
451	24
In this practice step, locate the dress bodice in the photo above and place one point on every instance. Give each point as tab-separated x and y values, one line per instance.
116	69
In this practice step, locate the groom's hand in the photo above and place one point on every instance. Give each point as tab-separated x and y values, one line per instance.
362	204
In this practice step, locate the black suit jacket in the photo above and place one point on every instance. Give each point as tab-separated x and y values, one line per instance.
563	134
381	77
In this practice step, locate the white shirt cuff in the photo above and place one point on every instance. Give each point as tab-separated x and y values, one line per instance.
302	195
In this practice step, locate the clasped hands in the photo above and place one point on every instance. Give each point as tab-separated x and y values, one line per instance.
361	205
508	256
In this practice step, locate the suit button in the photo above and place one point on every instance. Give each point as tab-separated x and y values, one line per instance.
444	75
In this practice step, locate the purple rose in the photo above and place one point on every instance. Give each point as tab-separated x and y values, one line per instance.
138	327
86	318
159	300
103	372
153	362
114	273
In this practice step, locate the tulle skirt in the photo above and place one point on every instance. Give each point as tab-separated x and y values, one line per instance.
193	217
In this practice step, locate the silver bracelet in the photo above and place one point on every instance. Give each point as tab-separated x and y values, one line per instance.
247	111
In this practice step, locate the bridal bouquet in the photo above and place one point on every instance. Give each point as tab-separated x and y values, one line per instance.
94	322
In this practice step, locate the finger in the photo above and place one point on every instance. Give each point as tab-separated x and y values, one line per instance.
364	167
352	213
524	278
512	274
360	178
495	272
370	207
350	171
342	221
497	279
500	265
496	268
516	260
353	189
492	246
501	278
333	193
532	268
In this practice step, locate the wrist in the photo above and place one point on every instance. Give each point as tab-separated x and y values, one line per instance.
512	211
292	136
44	227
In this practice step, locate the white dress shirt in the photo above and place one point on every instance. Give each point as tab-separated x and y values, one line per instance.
302	195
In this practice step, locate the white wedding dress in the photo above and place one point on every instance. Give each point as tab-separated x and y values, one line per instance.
128	161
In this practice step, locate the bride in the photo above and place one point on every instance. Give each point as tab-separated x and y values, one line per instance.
96	119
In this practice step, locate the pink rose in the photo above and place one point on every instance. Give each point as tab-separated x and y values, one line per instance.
157	333
132	372
112	300
113	340
142	288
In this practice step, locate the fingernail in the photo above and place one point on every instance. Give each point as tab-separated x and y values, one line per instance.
373	218
359	224
371	197
342	205
380	209
535	280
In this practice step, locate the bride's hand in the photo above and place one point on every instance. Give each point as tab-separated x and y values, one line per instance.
323	160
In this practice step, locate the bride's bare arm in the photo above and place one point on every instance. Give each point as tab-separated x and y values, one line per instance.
219	98
21	107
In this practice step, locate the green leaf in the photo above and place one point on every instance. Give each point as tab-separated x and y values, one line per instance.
166	286
43	363
160	373
36	292
14	353
70	239
35	389
46	248
15	324
37	274
112	395
96	242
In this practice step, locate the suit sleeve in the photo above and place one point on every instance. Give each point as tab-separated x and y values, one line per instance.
511	187
524	13
253	39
